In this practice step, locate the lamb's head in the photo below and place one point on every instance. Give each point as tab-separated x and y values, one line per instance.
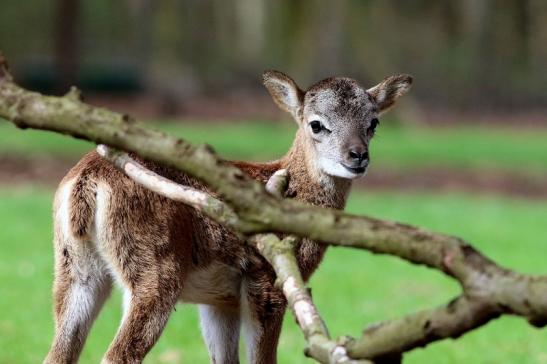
337	117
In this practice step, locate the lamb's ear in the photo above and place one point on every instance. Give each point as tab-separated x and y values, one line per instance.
390	89
285	92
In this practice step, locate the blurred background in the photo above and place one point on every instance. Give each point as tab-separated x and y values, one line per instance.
464	153
475	56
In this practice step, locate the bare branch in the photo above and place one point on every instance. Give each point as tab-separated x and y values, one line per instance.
205	202
489	291
419	329
475	272
280	254
277	184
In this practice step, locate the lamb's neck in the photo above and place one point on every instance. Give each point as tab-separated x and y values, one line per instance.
307	183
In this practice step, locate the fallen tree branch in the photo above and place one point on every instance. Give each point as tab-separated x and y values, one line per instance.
205	202
484	282
489	290
280	254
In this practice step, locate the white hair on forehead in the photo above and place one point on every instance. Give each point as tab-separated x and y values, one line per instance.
325	97
328	102
359	91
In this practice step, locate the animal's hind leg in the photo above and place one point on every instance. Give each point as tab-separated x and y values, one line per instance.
81	286
220	327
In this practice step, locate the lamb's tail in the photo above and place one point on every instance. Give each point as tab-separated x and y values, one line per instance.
82	205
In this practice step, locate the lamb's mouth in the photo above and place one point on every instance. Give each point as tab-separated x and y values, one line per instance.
355	170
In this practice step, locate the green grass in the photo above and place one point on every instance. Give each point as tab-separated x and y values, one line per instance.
351	288
406	147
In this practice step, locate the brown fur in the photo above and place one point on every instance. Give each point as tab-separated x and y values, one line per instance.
109	228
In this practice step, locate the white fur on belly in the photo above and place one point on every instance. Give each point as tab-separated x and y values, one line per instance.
215	284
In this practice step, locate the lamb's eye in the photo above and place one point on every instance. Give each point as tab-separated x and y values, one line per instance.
373	124
316	126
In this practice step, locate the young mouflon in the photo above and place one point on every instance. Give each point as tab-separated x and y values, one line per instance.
109	229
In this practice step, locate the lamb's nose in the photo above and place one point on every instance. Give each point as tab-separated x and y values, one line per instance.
358	154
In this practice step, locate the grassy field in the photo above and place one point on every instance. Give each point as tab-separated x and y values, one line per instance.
523	151
351	288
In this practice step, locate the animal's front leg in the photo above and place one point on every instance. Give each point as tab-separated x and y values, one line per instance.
143	324
263	309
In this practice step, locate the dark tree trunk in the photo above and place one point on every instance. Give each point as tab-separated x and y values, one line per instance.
66	43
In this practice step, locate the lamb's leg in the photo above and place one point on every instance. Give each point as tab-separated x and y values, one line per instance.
220	329
263	308
80	289
144	321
